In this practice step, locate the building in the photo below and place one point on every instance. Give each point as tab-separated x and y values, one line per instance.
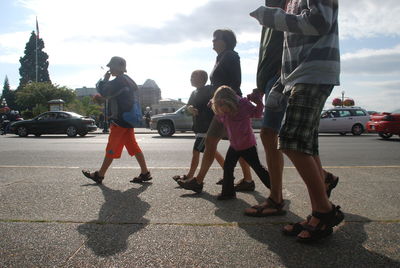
167	106
85	91
149	94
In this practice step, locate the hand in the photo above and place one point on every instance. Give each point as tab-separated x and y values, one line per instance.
255	96
107	76
258	14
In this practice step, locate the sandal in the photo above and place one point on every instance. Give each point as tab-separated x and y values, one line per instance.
332	183
180	177
142	178
270	204
95	176
325	226
297	227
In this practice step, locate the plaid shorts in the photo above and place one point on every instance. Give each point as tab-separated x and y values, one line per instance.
300	129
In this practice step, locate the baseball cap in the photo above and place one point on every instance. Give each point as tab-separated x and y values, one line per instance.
117	63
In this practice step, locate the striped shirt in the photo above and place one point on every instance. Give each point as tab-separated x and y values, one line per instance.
311	43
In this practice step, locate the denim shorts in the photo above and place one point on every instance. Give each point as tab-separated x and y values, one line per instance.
272	119
300	130
199	144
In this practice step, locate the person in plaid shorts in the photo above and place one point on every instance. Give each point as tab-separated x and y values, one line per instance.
310	70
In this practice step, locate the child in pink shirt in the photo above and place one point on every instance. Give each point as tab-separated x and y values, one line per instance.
236	113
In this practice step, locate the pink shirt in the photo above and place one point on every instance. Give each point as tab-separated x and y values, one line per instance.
238	126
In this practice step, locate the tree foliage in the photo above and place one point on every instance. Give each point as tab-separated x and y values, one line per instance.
27	70
33	94
8	94
85	106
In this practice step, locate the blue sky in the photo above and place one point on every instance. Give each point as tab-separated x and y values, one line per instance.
167	40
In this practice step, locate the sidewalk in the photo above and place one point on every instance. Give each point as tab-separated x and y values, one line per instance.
56	218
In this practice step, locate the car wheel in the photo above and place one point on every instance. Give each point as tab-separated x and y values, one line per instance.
357	129
385	135
165	129
37	134
83	134
72	131
22	132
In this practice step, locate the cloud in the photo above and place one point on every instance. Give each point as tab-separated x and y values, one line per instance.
369	18
372	61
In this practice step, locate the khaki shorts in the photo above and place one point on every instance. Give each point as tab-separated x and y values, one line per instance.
216	129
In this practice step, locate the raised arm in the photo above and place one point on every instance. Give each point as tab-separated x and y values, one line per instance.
316	18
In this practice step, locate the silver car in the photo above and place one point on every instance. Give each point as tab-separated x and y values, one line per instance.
344	120
167	124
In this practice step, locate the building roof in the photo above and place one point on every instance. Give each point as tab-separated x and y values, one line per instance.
150	84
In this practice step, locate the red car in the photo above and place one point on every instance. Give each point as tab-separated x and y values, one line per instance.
385	124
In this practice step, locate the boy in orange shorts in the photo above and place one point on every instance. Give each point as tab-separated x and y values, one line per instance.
121	93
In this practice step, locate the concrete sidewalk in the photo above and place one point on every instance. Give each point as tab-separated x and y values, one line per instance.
54	217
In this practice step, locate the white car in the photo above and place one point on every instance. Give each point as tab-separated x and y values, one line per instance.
344	120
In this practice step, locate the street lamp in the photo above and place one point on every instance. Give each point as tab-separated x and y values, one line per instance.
3	102
342	97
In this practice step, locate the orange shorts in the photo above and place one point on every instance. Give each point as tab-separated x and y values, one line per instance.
120	137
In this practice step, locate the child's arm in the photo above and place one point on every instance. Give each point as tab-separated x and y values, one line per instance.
256	97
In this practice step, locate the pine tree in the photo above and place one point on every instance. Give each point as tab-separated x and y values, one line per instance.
8	95
27	70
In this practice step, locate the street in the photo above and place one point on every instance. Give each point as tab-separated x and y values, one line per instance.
50	215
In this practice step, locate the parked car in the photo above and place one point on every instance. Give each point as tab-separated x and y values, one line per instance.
57	122
385	124
344	120
168	123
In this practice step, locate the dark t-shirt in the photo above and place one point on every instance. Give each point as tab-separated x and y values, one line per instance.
199	99
227	71
121	94
270	54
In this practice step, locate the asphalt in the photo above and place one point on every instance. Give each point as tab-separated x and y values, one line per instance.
54	217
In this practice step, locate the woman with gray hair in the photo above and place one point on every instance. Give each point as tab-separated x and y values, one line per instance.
226	72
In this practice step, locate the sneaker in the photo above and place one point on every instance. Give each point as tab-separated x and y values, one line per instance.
244	186
191	185
142	178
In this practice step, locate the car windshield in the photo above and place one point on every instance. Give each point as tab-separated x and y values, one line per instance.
182	109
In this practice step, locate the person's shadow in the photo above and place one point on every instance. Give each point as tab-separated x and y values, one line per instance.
120	216
343	249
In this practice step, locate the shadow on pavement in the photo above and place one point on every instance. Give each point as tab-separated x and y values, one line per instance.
344	249
120	216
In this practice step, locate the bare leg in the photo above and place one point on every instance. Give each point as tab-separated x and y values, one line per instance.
142	163
105	165
245	169
194	163
310	173
208	157
275	165
275	162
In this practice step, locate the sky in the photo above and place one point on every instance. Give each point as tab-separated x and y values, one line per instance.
166	40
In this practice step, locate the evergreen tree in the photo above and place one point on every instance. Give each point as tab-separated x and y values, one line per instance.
27	70
8	95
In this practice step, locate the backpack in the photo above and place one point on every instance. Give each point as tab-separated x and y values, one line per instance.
134	115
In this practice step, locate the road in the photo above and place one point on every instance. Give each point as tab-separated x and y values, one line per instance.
59	150
51	216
